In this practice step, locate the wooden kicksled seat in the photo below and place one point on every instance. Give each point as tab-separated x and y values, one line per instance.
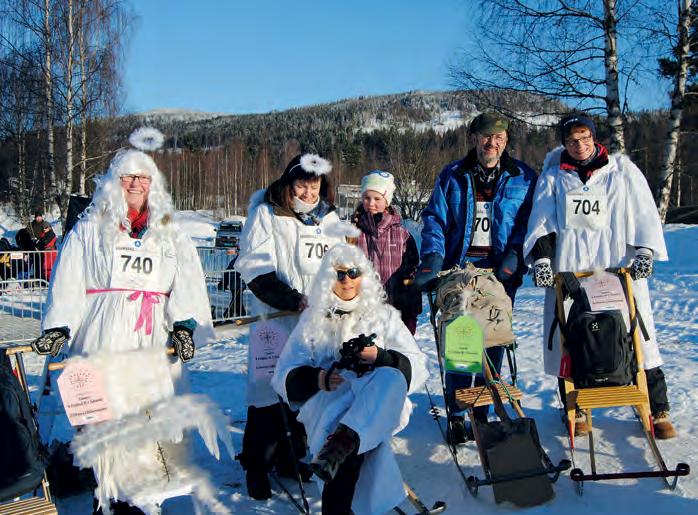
33	506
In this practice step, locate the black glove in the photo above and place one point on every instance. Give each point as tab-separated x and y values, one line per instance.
642	264
508	267
425	278
51	341
543	273
183	343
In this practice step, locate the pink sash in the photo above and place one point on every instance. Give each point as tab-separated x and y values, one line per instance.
149	299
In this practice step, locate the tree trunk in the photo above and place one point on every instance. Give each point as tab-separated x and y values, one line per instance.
677	197
666	173
615	117
84	108
54	186
65	194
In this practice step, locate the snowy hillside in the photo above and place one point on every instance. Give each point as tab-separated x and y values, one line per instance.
219	371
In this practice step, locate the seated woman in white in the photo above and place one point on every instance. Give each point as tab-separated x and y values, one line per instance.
351	415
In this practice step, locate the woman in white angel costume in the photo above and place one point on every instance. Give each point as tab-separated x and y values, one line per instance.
592	210
289	227
127	277
127	283
351	415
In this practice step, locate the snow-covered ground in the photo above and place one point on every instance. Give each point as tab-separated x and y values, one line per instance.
219	371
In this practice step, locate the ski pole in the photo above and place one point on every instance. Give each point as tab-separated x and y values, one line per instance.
292	452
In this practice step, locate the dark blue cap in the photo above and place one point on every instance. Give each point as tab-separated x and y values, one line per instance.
575	120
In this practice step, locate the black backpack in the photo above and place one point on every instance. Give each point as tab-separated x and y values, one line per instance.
599	344
23	459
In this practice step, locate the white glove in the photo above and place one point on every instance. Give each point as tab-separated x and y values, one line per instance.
543	273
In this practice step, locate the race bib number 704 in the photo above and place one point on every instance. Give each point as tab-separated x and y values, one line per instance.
586	208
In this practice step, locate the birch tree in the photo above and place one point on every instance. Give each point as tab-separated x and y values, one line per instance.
562	49
679	69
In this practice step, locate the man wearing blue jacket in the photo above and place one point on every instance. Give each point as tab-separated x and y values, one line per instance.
478	212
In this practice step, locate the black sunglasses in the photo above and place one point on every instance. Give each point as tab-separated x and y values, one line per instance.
353	273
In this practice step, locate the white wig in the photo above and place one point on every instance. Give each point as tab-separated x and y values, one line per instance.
322	300
109	207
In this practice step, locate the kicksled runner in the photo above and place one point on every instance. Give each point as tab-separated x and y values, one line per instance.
469	313
594	308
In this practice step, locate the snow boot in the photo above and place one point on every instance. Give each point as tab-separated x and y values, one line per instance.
580	424
258	486
663	428
284	470
460	431
338	447
117	508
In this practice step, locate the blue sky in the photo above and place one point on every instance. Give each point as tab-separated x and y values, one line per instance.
242	56
252	56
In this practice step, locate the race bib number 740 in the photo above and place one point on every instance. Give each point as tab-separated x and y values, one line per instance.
134	269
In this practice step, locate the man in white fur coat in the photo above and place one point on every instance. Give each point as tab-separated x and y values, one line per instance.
351	415
594	210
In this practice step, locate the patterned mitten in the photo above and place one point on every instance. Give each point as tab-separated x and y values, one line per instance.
642	264
50	342
183	343
542	273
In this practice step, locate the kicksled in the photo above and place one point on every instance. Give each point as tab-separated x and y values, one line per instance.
470	312
607	293
14	500
513	461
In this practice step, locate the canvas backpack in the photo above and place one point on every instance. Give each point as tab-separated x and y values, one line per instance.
478	293
23	459
599	343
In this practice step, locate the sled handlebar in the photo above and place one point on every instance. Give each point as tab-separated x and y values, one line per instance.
18	350
612	270
60	365
278	314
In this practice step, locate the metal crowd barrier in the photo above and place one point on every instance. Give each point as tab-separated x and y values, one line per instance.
226	290
24	279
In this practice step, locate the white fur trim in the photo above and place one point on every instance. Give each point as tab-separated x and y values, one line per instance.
256	199
146	139
552	159
313	163
341	229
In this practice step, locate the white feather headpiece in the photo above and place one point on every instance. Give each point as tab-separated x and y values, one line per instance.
146	139
313	163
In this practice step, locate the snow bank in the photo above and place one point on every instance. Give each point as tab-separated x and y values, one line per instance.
199	226
682	244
